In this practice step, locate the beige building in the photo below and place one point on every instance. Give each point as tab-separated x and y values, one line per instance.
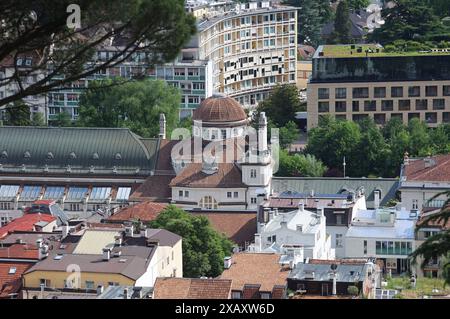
304	70
352	85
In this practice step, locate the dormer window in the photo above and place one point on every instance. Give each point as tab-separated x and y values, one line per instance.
27	154
72	155
4	154
253	173
118	156
95	156
50	155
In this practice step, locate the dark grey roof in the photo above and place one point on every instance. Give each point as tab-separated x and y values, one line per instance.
357	23
117	292
335	185
321	272
108	151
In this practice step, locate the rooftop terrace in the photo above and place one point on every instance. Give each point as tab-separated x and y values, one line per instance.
370	50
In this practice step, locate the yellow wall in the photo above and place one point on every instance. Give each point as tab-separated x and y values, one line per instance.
32	280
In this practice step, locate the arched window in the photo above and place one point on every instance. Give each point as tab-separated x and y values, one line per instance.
208	202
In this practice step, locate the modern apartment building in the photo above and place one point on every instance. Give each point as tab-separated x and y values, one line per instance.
242	50
351	82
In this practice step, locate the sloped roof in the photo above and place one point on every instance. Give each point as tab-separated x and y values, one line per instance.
11	283
19	251
25	223
81	148
93	241
228	175
333	185
187	288
145	212
438	171
220	108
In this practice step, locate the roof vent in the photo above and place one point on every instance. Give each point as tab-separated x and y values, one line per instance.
118	156
4	154
68	168
50	155
45	168
72	155
91	169
27	154
95	156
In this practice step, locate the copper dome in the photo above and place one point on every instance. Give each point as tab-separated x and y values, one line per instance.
219	108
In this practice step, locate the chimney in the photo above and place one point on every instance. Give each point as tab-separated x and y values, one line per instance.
125	293
406	158
262	132
152	242
39	243
162	126
129	231
320	212
99	290
227	262
301	206
118	240
376	198
106	254
429	162
258	246
392	217
65	231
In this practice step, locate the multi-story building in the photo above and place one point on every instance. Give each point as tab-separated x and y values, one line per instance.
351	82
243	50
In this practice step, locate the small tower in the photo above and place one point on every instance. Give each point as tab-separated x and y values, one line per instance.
262	133
162	126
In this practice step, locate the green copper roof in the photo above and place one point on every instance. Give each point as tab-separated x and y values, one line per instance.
333	185
104	151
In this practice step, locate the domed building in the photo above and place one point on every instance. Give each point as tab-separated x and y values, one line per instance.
219	117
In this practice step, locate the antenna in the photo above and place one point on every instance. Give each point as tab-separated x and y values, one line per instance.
344	164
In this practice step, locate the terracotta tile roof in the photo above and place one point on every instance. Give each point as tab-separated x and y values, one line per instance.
256	269
435	223
338	261
19	251
240	227
438	171
105	226
25	223
145	212
155	188
219	109
186	288
164	162
228	175
11	283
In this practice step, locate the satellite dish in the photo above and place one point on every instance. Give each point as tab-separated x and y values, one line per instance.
333	266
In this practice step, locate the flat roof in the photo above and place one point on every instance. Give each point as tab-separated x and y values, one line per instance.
373	50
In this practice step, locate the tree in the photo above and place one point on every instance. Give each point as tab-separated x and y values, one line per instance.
288	134
62	119
353	290
437	245
310	21
136	105
18	114
419	142
203	248
410	20
342	25
282	104
300	165
358	4
156	29
37	119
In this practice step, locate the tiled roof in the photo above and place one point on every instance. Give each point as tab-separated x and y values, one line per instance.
435	223
255	269
240	227
219	109
145	212
228	175
155	188
25	223
11	282
19	251
186	288
439	170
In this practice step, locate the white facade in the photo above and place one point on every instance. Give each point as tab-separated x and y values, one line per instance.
299	227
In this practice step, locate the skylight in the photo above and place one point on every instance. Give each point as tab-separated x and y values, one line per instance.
12	270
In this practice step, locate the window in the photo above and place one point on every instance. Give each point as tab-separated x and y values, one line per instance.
396	91
438	104
253	200
339	220
12	270
186	194
379	92
208	202
380	118
339	241
228	194
355	106
75	207
404	105
236	295
235	194
340	106
253	173
340	93
414	91
387	105
44	282
89	284
415	204
324	107
431	90
180	193
431	117
223	134
265	295
421	104
446	90
370	106
323	93
365	247
360	93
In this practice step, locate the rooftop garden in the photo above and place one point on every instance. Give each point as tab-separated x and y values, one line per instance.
397	48
424	287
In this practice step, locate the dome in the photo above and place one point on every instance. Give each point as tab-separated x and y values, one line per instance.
220	108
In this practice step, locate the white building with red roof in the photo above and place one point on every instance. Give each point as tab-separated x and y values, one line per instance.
423	178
